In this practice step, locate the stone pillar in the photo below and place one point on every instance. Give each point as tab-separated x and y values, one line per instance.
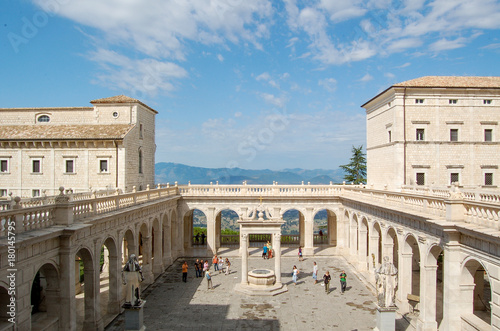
362	252
97	287
63	213
388	247
277	258
308	232
453	297
90	321
374	253
147	270
158	258
115	283
218	224
67	316
354	241
211	233
427	318
167	240
404	281
244	258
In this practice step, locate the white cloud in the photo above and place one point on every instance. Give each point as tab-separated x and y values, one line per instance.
330	84
389	75
366	78
407	64
265	76
220	57
445	44
271	99
238	114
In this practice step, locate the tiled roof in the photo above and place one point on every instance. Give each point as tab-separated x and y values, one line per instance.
121	99
452	81
63	132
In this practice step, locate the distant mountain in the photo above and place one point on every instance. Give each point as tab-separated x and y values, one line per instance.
172	172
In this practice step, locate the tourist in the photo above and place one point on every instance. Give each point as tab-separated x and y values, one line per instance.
197	238
264	251
315	273
203	236
343	282
197	268
269	250
209	280
326	280
221	264
184	271
295	272
215	262
205	267
228	264
201	268
321	234
300	254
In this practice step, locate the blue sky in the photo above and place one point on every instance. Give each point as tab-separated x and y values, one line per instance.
253	84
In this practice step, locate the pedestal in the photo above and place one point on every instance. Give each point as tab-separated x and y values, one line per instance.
386	319
134	317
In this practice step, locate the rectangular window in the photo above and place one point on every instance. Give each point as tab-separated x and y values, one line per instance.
488	135
3	193
4	165
70	166
419	100
487	102
35	193
488	178
420	134
390	137
453	134
454	177
452	101
420	178
103	165
36	166
140	131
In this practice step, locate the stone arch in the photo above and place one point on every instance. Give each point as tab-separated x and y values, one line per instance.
364	243
391	246
45	296
129	245
409	270
293	230
375	244
354	238
189	218
328	234
91	316
156	247
475	289
233	218
110	271
166	240
174	235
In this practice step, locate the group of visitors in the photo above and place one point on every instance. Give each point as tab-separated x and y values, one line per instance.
326	278
202	269
197	238
267	251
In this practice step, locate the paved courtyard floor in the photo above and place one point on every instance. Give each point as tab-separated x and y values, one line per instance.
174	305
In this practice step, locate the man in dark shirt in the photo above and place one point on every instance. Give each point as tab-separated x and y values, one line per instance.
197	268
326	280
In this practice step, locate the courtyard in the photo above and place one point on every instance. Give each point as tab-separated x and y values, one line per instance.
174	305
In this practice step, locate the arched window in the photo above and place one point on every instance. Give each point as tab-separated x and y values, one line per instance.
43	119
140	161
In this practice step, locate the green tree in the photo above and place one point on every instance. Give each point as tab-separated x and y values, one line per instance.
356	169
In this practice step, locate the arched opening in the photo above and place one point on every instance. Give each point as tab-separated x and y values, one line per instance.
108	279
376	246
4	309
128	246
292	231
475	291
156	248
86	312
227	228
363	244
354	236
391	248
434	284
166	239
410	272
45	297
195	229
325	228
145	249
174	236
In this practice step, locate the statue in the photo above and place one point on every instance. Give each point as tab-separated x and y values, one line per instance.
386	276
132	277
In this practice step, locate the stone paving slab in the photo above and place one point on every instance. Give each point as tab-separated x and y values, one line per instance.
174	305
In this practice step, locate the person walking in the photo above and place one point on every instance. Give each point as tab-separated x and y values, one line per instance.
215	262
205	267
295	272
221	264
326	280
264	252
197	268
209	280
228	264
300	254
184	271
315	273
343	282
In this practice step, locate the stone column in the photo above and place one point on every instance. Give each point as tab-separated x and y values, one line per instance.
277	258
404	281
97	287
453	297
147	270
362	252
158	258
115	283
374	253
354	241
244	258
427	318
388	247
67	285
211	233
308	232
167	240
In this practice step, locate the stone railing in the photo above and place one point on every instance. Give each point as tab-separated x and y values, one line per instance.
26	219
479	195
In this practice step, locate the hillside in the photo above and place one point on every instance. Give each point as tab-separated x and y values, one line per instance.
172	172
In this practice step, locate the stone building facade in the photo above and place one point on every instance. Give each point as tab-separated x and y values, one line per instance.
434	131
108	146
